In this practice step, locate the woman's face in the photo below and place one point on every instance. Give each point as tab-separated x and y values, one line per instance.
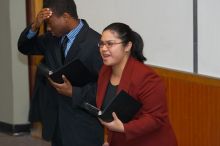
112	49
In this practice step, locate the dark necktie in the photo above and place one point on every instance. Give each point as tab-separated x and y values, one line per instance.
63	47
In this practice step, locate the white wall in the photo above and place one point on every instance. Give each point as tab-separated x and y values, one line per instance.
14	90
165	25
209	37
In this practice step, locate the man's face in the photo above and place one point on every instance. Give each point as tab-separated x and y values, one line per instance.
56	25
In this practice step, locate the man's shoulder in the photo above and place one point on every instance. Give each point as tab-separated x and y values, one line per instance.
88	29
94	33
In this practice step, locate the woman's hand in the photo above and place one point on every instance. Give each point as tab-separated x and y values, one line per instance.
65	88
116	125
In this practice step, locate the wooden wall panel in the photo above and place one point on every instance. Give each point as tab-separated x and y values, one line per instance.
33	7
194	107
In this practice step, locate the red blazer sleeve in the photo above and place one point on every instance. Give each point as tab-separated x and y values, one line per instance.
150	90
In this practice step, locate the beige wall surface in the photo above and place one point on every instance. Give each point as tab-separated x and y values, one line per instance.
6	99
14	94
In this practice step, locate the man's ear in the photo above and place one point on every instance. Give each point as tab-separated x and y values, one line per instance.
66	15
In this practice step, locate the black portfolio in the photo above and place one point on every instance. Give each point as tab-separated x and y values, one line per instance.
123	105
75	71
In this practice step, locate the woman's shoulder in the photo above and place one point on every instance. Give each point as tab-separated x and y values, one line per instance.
143	68
144	72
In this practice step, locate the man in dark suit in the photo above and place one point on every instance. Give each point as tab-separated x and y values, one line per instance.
64	123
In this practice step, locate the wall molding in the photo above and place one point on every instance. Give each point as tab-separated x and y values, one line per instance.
14	129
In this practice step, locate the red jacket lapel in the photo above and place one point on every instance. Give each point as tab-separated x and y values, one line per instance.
104	78
126	76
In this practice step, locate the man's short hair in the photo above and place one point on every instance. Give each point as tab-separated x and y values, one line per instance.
59	7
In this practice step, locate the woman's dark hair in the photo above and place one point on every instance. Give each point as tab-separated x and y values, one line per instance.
126	34
59	7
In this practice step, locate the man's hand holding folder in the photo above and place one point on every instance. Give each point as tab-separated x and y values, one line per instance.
75	71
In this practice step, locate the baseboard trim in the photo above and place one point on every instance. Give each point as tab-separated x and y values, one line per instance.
14	129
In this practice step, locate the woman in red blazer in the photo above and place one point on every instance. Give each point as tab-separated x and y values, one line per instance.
121	50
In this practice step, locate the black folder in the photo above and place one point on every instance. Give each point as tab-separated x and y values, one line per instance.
75	71
123	105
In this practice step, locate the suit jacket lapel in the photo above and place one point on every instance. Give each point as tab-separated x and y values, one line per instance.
126	76
58	53
75	47
53	56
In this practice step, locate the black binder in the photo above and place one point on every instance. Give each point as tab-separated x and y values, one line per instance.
123	105
75	71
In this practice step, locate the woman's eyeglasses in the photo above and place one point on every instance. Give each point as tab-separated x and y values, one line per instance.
108	44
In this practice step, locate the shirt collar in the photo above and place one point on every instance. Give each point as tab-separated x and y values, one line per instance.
72	34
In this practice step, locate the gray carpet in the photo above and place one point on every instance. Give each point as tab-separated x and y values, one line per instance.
21	140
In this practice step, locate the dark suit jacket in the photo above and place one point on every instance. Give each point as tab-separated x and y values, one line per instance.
77	127
150	126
